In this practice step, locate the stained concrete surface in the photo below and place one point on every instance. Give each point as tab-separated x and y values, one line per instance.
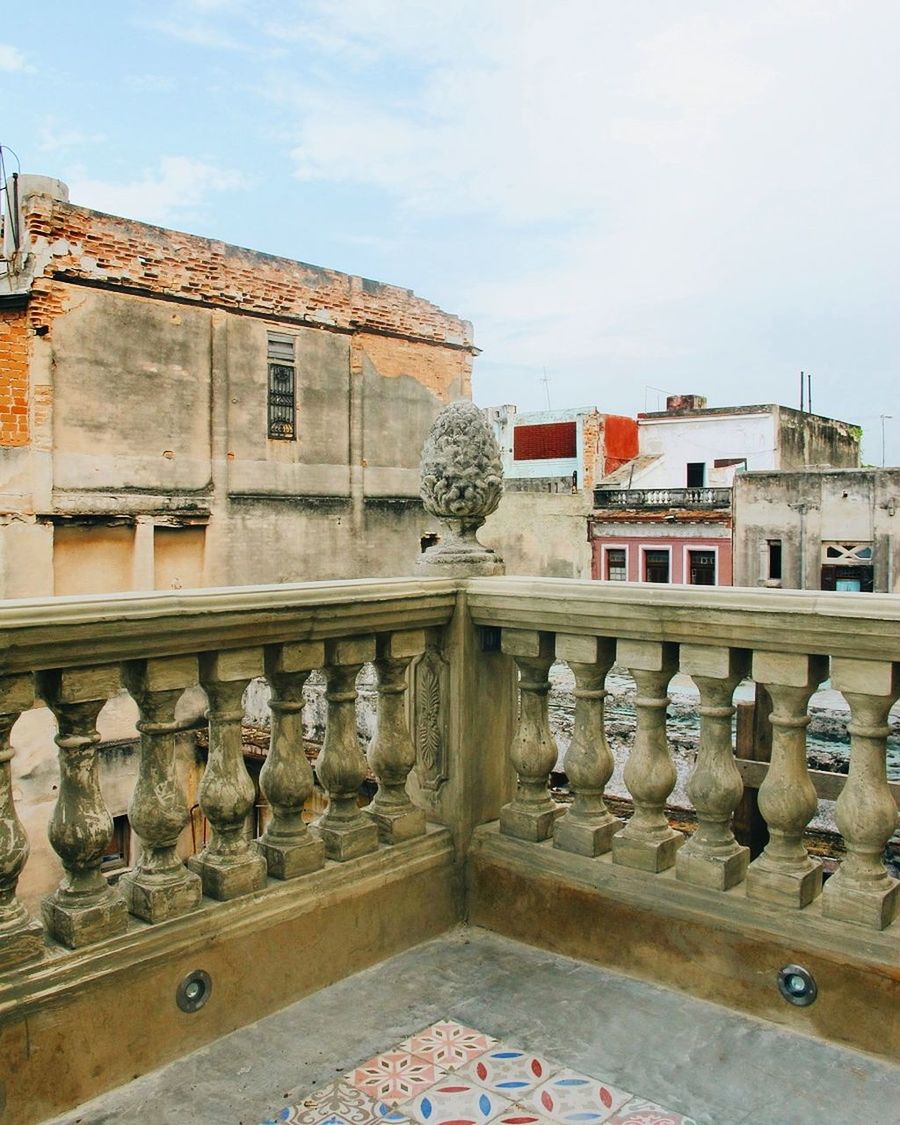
698	1058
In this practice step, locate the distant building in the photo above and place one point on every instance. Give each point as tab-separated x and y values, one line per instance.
820	529
176	412
666	515
560	450
550	462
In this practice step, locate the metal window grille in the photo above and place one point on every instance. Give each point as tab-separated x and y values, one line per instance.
282	398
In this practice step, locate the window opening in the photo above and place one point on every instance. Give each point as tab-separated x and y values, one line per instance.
282	406
615	564
774	558
696	474
656	566
702	568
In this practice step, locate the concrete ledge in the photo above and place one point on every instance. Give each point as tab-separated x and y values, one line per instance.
718	946
81	1023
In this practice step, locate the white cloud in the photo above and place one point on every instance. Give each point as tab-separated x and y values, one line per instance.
178	189
12	59
59	139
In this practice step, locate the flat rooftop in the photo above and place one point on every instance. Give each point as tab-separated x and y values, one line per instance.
694	1058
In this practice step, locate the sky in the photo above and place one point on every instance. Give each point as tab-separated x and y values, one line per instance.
626	199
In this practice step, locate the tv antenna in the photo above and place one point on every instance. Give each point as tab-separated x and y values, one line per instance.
545	379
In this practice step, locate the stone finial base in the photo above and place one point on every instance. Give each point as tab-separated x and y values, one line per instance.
21	944
653	855
343	842
530	824
394	827
875	908
288	860
793	888
156	899
717	872
75	924
450	562
231	878
584	838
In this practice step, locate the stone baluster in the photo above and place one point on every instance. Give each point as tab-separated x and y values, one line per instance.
861	890
230	865
345	829
85	908
647	841
392	754
712	857
290	849
587	827
160	886
784	874
21	937
532	813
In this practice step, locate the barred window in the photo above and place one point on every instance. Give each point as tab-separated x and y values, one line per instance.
282	406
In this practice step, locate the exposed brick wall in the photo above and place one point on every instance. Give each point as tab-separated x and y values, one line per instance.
14	429
448	375
85	245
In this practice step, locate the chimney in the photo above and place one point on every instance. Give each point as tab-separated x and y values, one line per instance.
681	404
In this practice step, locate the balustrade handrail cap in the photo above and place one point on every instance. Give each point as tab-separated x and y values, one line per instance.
732	598
69	609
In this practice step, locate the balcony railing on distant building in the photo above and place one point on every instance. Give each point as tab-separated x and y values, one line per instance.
662	497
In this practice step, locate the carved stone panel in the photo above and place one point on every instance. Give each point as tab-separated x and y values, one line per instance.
430	716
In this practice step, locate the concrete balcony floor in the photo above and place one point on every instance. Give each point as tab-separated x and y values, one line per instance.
693	1057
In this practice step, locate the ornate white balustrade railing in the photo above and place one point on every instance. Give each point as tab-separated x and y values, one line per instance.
76	655
789	643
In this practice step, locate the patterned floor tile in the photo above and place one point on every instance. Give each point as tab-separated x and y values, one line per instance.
338	1103
448	1044
458	1102
508	1071
521	1115
577	1098
640	1112
394	1076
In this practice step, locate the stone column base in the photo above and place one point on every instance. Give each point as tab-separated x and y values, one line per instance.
646	855
875	909
717	872
156	898
76	925
529	824
21	943
584	838
288	860
791	888
231	877
394	827
343	842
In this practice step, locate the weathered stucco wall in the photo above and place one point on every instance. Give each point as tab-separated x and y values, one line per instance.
809	440
138	378
541	533
804	509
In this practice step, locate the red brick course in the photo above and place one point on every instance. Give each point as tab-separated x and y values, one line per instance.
14	428
82	245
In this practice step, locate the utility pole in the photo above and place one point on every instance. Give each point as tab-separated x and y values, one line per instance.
883	416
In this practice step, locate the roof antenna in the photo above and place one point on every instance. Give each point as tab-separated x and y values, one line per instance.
801	392
546	381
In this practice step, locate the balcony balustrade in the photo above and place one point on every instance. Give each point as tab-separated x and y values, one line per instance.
463	823
662	497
